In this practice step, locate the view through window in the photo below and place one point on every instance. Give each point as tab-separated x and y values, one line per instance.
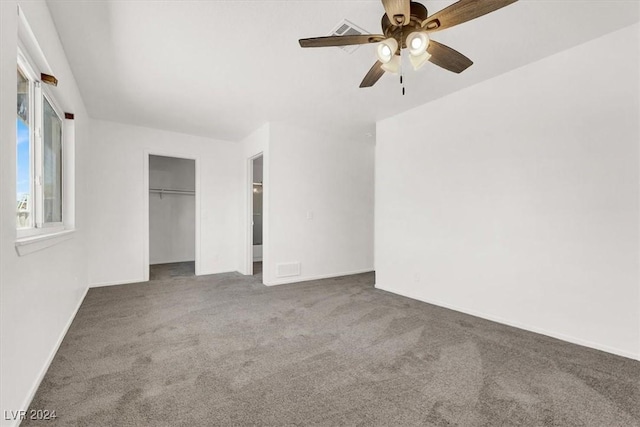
24	154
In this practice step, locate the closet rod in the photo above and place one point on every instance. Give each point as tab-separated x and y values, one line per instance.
162	191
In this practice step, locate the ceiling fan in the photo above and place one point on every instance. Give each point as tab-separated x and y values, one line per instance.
407	25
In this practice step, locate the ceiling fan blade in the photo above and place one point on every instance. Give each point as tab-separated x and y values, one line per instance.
341	40
373	75
447	58
398	11
462	11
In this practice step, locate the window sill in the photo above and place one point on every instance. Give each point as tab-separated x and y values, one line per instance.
31	244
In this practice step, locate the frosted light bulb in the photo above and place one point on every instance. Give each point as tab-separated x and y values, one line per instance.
418	42
386	50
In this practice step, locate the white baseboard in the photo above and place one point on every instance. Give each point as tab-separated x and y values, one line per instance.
300	279
173	261
518	325
141	280
209	273
52	354
116	283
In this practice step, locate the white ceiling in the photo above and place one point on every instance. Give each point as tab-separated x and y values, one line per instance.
222	68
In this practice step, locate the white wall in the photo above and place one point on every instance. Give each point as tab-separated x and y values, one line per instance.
518	199
319	196
40	292
172	217
119	217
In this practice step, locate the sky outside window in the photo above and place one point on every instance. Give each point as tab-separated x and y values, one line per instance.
23	160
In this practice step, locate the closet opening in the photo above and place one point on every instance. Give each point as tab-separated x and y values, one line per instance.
172	217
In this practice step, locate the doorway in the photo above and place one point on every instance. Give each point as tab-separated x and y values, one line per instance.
172	217
257	213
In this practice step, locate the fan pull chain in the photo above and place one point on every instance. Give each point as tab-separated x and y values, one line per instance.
401	62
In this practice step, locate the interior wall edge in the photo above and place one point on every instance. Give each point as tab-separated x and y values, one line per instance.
115	283
503	321
304	279
209	273
52	354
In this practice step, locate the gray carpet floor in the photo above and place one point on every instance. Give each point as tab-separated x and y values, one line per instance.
225	350
172	270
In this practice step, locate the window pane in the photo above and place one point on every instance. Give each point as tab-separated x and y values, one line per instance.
23	155
51	164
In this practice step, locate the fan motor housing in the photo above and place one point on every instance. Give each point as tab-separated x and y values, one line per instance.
418	14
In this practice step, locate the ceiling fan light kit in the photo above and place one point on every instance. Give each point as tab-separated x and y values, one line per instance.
407	25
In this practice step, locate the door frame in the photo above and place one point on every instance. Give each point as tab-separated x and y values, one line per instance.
145	198
249	214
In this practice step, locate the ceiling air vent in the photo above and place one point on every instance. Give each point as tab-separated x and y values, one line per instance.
348	28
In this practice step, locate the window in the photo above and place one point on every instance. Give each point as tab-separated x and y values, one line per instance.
51	165
40	143
24	151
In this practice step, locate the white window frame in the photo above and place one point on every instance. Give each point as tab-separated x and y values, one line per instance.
50	226
38	93
27	70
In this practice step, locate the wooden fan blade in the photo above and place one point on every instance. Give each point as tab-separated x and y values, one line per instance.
373	75
341	40
447	58
398	11
462	11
